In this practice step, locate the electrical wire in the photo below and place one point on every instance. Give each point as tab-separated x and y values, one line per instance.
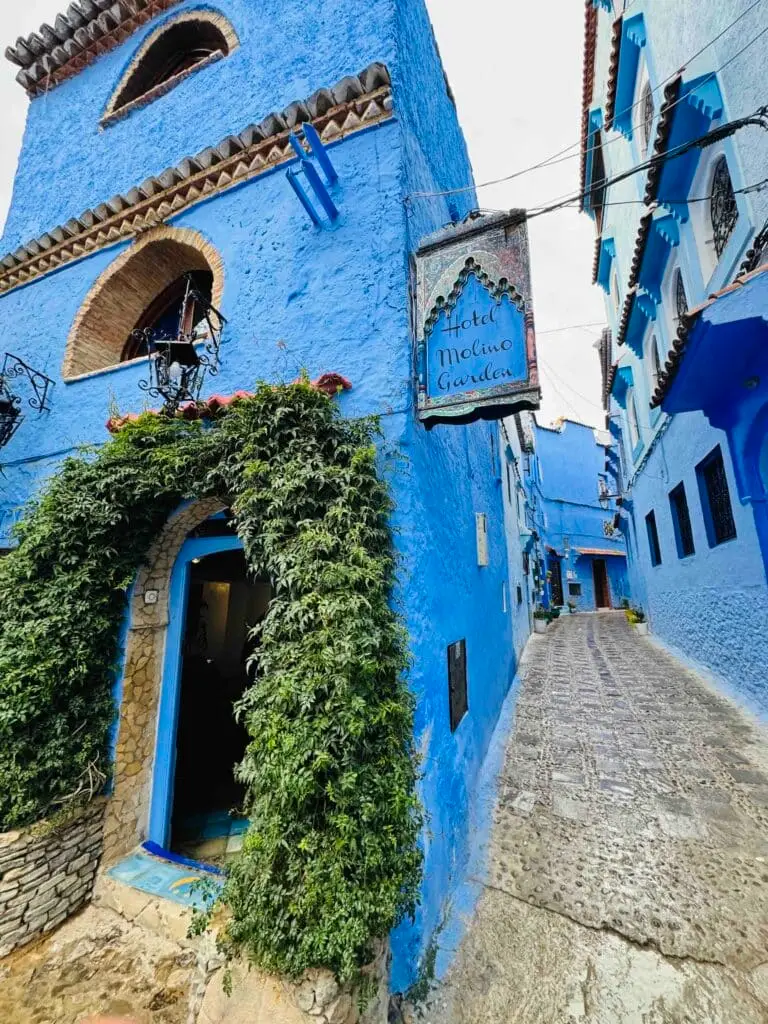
559	156
571	327
547	366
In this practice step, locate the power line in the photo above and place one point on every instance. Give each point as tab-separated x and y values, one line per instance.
554	159
547	366
570	327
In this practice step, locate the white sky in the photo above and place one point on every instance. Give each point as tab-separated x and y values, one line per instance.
515	70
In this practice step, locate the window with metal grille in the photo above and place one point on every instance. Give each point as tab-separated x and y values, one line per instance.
723	211
526	563
653	538
715	499
647	113
681	521
519	594
574	590
457	682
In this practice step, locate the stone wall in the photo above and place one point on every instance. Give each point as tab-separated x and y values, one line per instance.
47	873
127	814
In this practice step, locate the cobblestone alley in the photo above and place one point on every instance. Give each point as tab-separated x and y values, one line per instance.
628	874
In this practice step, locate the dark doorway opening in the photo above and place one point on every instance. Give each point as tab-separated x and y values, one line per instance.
222	607
556	581
602	590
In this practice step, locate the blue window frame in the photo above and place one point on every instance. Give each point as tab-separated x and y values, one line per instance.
653	538
681	521
715	499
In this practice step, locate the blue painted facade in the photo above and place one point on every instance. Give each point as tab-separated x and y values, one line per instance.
299	297
684	390
573	530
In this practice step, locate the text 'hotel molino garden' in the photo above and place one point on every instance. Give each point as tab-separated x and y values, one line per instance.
214	286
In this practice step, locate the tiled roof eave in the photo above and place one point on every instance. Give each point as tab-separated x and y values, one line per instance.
639	251
613	72
661	141
76	39
588	81
626	311
353	104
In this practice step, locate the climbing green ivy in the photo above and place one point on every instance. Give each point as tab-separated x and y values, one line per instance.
331	859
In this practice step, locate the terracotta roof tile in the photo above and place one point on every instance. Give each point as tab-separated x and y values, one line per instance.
588	83
663	132
626	311
89	29
596	258
640	243
613	72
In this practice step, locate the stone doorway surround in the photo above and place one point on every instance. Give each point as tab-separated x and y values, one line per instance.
127	812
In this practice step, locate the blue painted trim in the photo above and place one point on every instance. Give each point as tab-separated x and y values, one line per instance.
303	198
170	692
605	263
622	382
176	858
320	152
637	451
320	190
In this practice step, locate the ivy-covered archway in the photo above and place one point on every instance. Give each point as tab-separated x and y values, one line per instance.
331	860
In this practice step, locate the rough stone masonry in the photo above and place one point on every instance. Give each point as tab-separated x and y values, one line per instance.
46	874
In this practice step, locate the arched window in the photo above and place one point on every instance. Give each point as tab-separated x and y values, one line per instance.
654	361
681	299
632	421
143	288
723	211
646	115
176	48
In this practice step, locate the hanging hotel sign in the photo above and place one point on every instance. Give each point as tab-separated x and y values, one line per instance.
475	342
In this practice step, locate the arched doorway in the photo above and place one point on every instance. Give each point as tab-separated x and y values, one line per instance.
196	801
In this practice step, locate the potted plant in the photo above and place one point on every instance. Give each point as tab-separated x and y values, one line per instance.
540	620
571	607
636	618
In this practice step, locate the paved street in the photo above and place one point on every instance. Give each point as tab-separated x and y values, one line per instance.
628	876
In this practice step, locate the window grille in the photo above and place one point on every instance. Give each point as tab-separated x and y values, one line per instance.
681	521
653	538
715	499
457	682
681	299
655	362
723	211
519	594
574	590
647	115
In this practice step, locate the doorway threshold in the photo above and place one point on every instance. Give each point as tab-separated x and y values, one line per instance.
166	875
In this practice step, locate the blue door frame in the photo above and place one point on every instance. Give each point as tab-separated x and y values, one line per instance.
161	804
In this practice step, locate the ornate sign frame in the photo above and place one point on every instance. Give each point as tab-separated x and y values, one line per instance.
485	255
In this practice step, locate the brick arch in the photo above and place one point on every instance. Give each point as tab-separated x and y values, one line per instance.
126	288
128	810
211	22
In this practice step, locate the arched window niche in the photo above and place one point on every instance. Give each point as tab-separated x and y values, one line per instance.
142	288
170	54
714	213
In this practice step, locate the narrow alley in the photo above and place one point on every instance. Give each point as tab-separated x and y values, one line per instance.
629	858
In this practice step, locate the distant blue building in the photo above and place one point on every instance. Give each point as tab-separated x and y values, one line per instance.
681	255
156	150
581	554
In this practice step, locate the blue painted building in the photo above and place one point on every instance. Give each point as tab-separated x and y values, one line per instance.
670	164
579	550
157	145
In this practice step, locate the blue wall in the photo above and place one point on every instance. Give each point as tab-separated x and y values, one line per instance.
298	297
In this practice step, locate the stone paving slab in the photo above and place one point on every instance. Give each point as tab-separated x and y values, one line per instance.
632	801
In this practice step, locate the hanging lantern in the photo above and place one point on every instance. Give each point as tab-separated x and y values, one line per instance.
179	363
10	414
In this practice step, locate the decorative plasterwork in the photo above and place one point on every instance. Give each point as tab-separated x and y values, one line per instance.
587	87
623	78
353	104
114	113
89	29
496	289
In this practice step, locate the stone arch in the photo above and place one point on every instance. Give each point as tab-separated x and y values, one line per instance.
127	287
128	810
177	48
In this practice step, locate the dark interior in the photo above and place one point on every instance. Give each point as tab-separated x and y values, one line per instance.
223	605
180	48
